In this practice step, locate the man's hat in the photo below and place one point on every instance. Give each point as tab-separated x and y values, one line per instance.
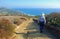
43	14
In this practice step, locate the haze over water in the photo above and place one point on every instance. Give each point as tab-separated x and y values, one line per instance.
37	11
32	7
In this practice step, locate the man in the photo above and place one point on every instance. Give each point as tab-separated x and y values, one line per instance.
41	22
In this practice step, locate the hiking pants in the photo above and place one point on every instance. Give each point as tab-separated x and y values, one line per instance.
41	26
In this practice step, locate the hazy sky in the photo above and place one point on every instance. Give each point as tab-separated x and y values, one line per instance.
30	3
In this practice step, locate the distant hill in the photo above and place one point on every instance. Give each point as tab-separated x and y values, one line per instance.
12	12
5	11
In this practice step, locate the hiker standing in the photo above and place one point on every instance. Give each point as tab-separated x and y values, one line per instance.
41	22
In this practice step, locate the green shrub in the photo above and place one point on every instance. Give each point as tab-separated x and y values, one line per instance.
53	19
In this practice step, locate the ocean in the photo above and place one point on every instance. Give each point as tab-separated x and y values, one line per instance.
37	11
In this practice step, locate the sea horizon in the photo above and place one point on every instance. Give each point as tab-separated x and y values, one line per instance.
37	11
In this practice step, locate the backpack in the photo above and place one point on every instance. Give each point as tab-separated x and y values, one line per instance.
41	19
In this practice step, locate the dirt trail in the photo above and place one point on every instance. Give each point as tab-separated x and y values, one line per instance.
22	27
33	31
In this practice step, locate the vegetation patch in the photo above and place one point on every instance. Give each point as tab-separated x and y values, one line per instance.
6	28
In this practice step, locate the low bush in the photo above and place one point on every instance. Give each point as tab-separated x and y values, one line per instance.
17	21
53	19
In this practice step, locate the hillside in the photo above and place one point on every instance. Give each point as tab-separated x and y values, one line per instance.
15	16
5	11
